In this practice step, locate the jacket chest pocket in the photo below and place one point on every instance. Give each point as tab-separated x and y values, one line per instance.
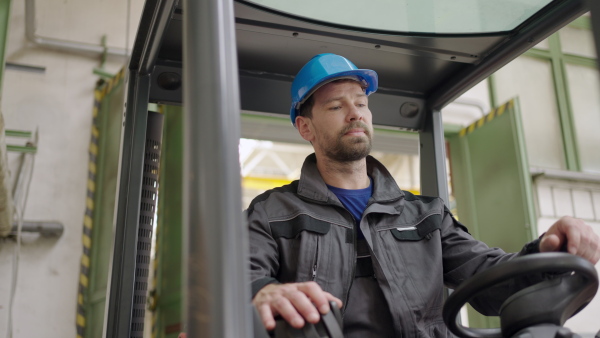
300	240
415	259
414	245
420	231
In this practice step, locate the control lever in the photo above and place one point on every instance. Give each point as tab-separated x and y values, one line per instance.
330	326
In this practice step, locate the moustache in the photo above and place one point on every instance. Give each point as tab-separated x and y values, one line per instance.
357	124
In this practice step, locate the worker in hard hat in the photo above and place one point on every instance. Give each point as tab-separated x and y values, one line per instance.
345	231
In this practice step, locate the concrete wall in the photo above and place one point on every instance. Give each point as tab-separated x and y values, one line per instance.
58	104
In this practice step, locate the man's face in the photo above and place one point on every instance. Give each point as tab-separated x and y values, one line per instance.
341	123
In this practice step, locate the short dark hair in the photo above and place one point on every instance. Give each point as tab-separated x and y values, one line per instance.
306	108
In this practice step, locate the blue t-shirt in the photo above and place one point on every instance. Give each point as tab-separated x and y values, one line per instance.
355	201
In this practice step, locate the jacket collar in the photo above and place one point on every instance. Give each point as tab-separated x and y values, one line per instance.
312	186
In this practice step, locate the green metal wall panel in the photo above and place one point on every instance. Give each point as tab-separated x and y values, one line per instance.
492	184
168	264
559	59
95	318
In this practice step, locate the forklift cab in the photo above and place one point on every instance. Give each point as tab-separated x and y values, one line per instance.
217	57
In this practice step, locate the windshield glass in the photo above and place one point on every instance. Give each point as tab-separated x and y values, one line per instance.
416	16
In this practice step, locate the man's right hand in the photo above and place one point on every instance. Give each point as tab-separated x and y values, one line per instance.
295	302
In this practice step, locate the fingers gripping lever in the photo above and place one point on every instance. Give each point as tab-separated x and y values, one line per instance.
330	326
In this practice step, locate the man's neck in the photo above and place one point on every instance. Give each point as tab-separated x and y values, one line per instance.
345	175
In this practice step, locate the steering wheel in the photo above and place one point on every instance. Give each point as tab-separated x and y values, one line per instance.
551	301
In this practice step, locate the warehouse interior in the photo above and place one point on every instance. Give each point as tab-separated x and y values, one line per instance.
64	81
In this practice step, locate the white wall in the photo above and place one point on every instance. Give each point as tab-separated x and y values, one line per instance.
559	197
59	105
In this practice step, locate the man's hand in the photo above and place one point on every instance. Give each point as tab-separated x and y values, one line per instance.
295	302
577	238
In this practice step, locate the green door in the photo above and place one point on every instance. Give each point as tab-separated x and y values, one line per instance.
492	185
98	231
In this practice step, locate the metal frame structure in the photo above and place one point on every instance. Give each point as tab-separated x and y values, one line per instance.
595	10
215	240
252	57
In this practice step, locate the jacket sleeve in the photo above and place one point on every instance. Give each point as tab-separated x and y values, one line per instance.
464	256
264	256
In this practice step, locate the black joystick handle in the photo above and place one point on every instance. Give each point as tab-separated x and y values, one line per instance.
330	326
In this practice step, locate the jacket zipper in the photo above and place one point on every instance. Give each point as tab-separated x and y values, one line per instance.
354	253
354	261
314	269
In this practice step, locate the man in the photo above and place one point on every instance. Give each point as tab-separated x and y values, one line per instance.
345	232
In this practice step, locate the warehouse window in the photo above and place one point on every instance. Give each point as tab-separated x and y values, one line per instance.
559	81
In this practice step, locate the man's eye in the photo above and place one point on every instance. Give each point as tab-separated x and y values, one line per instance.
335	108
361	105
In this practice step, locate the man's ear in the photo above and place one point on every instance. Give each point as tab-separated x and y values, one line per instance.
304	126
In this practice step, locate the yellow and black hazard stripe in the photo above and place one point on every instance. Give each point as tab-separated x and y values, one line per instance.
88	218
487	118
113	82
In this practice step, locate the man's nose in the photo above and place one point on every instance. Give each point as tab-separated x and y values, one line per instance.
355	114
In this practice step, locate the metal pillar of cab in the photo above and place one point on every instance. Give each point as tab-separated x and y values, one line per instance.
215	237
595	11
122	278
433	157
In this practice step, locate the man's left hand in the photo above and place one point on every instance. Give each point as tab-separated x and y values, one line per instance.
573	235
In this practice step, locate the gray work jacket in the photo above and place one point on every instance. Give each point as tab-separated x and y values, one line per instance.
301	232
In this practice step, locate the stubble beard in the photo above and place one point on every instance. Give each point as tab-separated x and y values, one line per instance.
350	149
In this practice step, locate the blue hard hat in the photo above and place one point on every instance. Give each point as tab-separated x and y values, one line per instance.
322	69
